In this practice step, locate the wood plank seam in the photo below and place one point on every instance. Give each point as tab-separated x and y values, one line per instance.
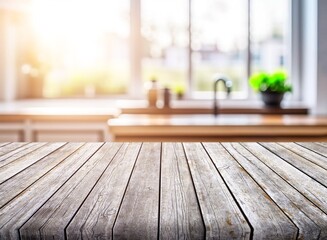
48	196
4	149
96	217
129	179
159	203
96	147
273	185
4	160
232	194
305	155
298	168
4	144
194	188
287	181
65	229
221	215
297	234
23	169
312	149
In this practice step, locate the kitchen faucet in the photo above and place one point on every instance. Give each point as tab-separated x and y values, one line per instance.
228	85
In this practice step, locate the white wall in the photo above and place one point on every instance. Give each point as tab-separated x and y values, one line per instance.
322	58
8	67
314	55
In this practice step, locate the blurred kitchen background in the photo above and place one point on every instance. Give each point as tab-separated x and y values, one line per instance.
71	65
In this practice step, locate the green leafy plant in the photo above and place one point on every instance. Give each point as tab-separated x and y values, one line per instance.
179	89
274	82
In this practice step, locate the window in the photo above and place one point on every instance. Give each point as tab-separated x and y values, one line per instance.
269	35
87	48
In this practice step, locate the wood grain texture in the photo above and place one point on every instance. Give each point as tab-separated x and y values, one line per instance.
310	220
318	148
138	215
20	164
50	221
307	154
222	217
15	213
306	185
17	153
22	180
96	217
264	216
163	191
11	147
324	144
313	170
180	215
4	144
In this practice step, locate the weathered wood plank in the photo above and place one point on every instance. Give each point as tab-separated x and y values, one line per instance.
222	217
304	184
50	221
96	217
310	220
314	171
324	144
22	151
4	143
307	154
15	213
180	215
23	162
263	214
10	147
138	216
19	182
314	147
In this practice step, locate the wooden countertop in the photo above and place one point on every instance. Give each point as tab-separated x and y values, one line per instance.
58	114
210	128
163	190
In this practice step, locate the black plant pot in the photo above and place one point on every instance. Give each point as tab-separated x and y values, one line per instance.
272	99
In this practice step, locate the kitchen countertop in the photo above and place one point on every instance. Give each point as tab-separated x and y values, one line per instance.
211	128
163	190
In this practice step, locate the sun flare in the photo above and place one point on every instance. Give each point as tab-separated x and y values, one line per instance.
76	27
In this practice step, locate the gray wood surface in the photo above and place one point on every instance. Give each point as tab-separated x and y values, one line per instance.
298	208
163	190
22	180
19	152
180	215
318	148
262	213
4	143
11	147
310	155
16	212
23	162
138	214
222	217
313	170
50	221
96	217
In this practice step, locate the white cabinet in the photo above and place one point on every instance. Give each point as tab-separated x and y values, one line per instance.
54	130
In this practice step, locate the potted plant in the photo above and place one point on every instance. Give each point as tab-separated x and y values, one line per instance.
271	86
179	90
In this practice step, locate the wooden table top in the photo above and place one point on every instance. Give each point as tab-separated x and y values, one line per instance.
163	190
